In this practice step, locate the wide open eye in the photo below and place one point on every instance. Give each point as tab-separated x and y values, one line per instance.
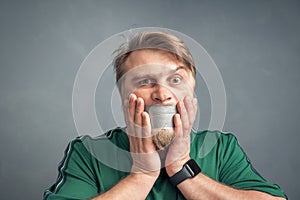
176	80
145	82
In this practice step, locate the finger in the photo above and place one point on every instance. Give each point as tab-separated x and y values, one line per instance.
146	127
132	104
195	105
178	126
183	116
126	111
129	108
139	109
190	108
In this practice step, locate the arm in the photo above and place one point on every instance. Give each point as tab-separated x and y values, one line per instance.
134	186
79	181
201	186
146	161
76	182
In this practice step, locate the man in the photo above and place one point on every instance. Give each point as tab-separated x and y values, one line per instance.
155	70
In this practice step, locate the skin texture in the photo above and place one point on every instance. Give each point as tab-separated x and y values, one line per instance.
163	88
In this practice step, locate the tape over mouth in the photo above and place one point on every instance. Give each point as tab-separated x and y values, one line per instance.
161	117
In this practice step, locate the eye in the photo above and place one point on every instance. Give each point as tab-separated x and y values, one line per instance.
146	82
176	80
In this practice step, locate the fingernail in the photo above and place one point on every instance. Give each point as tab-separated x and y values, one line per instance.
195	101
138	101
131	97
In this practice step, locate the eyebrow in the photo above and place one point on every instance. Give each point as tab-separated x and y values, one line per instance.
138	77
142	76
179	68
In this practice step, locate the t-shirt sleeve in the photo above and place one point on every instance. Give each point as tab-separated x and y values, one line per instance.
76	179
237	171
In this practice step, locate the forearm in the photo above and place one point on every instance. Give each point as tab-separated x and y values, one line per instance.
203	187
146	161
134	186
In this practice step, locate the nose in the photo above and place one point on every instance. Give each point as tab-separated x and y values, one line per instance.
162	95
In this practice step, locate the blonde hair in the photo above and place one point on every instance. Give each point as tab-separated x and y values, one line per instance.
153	40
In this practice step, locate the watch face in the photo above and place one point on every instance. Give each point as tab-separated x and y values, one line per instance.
189	170
193	167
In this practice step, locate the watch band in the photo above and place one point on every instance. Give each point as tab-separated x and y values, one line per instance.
189	170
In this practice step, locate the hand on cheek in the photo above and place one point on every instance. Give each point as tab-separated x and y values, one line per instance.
143	151
179	150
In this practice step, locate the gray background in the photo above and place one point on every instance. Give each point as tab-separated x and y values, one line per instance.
255	44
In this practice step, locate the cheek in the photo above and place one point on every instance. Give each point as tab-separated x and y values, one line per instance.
180	94
144	94
186	88
183	91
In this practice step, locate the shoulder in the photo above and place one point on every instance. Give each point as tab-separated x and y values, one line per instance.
220	137
212	142
112	134
85	143
113	140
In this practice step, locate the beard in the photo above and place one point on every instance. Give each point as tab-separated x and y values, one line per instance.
162	138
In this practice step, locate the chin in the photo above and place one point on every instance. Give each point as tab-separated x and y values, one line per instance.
163	137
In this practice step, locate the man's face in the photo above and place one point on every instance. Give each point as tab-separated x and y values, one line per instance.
158	78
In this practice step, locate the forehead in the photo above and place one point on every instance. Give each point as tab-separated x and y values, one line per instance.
154	64
149	56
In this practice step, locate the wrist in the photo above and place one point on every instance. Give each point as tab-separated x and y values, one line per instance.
176	166
189	170
143	178
143	173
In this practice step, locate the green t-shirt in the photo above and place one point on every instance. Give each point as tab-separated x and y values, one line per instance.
94	165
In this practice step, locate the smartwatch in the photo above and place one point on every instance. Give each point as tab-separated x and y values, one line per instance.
189	170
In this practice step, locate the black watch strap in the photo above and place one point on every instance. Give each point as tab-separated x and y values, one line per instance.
189	170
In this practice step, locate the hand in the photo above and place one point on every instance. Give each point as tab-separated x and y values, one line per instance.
143	151
179	150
